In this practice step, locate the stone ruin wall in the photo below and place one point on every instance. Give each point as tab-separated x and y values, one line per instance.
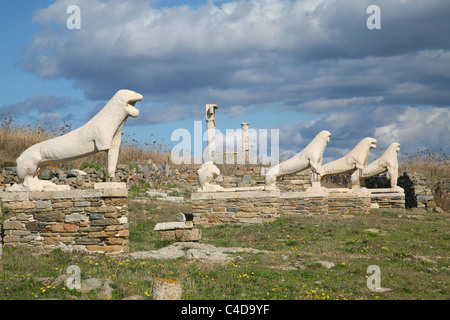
418	192
259	206
76	220
235	207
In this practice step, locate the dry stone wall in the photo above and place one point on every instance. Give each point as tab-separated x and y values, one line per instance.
304	202
235	207
346	201
418	193
93	220
260	206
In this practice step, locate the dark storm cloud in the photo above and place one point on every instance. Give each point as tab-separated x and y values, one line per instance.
42	104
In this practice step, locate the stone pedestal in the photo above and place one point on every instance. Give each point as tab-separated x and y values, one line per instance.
236	205
388	198
348	201
181	231
304	202
94	220
258	205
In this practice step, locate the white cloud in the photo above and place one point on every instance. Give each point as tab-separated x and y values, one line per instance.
416	128
413	128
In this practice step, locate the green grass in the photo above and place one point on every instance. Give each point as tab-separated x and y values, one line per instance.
286	269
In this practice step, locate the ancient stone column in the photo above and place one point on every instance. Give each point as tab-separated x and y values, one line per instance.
211	127
245	142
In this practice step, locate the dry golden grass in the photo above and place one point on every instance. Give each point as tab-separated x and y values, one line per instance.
434	165
15	138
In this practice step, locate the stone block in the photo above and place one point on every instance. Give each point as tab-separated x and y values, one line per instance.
63	204
98	248
189	235
103	222
87	241
115	193
253	220
103	209
43	204
12	238
24	217
95	216
28	238
122	220
36	226
66	239
167	235
124	233
110	185
173	225
21	233
82	204
14	196
251	214
100	234
76	217
50	216
63	227
22	205
54	241
165	289
114	241
114	215
12	225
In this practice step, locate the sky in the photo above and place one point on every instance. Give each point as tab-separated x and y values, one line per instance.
298	66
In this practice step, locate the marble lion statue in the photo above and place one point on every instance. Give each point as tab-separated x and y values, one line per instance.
388	162
355	159
206	174
102	133
310	157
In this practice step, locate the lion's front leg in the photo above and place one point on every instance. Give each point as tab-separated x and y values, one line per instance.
393	174
112	157
112	154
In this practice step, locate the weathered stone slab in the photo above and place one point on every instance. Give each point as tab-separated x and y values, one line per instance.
12	225
173	225
226	194
13	196
110	185
165	289
43	204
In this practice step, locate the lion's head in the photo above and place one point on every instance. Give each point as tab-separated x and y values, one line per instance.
395	146
129	98
325	135
368	142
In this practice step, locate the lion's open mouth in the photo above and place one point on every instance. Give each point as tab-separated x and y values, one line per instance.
131	109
